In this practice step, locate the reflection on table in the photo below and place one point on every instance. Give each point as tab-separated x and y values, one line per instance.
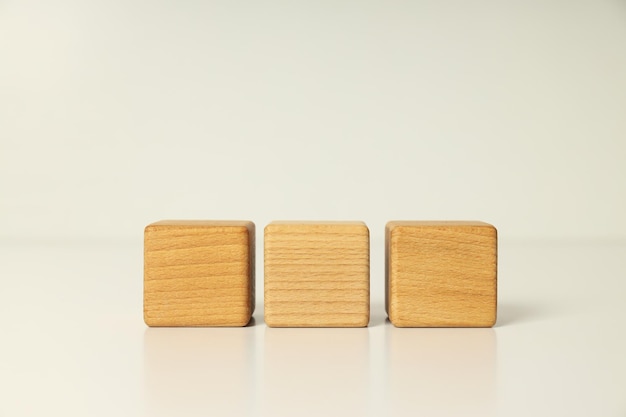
315	372
199	371
441	371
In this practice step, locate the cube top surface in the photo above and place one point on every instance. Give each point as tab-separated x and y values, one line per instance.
199	223
437	223
441	274
317	226
198	273
316	274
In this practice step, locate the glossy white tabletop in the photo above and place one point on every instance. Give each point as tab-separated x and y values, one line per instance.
74	343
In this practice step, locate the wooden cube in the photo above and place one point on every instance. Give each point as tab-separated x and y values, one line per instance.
198	273
317	274
441	274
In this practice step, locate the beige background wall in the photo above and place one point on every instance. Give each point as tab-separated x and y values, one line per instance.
114	114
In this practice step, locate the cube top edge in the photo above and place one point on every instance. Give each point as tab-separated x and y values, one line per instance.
390	226
426	223
317	222
296	226
199	224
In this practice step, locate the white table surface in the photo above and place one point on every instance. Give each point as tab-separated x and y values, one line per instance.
74	343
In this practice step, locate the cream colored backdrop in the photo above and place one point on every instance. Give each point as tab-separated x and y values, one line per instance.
114	114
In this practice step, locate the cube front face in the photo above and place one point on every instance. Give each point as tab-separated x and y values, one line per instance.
199	273
441	274
317	274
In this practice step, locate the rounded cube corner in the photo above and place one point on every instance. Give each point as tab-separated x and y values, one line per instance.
489	229
396	323
362	227
269	228
270	321
148	320
492	319
243	228
250	224
391	311
243	320
398	230
363	321
394	227
150	228
243	232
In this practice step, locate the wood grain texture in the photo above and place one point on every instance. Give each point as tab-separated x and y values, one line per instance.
317	274
441	274
199	273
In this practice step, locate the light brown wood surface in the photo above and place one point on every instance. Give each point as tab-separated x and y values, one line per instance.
317	274
441	274
198	273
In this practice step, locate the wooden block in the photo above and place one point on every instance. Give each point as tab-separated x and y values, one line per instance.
317	274
441	274
198	273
